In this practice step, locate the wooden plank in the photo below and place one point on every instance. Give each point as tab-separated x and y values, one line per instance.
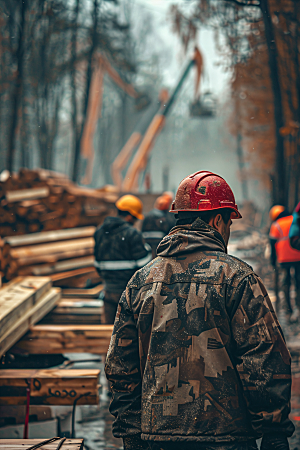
70	274
60	266
25	194
80	293
54	247
43	339
83	281
50	236
49	386
23	444
30	317
51	258
19	296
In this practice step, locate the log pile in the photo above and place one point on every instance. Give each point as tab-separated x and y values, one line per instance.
36	200
64	255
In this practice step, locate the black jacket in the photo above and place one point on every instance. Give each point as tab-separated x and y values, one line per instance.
119	252
156	225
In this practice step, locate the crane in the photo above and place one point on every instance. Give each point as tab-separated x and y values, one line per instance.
146	142
94	109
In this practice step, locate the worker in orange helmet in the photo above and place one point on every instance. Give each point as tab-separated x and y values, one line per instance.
119	251
285	255
197	359
158	222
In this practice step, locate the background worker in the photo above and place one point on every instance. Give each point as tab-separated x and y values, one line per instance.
158	222
119	252
197	359
294	234
286	256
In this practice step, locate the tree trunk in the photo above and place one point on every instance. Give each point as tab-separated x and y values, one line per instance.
76	141
17	91
280	181
89	71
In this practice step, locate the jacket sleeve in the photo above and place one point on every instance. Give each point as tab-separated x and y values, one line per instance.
263	360
122	370
294	233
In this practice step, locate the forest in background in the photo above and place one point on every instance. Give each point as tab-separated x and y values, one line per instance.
51	49
262	41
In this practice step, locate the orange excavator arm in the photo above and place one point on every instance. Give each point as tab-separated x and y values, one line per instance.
87	150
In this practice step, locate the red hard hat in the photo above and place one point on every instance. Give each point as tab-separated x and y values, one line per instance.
204	191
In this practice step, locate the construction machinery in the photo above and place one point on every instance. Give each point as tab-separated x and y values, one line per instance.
145	136
142	100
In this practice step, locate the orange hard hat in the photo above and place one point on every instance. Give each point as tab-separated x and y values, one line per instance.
275	211
131	204
204	191
163	202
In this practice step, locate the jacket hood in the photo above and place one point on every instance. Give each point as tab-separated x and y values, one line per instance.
198	236
112	223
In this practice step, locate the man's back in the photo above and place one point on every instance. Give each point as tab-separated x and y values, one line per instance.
119	250
197	339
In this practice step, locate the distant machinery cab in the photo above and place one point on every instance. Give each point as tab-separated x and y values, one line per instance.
205	106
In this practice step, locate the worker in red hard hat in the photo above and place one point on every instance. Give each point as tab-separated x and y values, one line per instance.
159	221
197	359
287	257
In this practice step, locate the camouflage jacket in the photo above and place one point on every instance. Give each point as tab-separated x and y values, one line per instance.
119	252
197	352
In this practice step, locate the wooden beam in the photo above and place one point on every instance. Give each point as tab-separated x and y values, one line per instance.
60	266
28	318
49	386
26	194
53	247
19	296
23	444
49	236
42	339
83	293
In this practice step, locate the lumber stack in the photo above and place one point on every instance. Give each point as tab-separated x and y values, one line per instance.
36	200
23	302
44	338
55	253
49	386
23	444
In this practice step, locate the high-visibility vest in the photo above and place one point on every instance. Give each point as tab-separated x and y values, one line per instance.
280	232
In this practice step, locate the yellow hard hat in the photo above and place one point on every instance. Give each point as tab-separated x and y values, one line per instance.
275	211
131	204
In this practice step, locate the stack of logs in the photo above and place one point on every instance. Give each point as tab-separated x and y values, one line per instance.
62	255
36	200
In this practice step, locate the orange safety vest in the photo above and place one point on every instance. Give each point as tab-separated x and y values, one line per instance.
280	232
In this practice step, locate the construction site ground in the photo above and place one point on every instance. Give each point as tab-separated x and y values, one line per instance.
94	423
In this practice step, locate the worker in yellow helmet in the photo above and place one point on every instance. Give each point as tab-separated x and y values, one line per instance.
119	252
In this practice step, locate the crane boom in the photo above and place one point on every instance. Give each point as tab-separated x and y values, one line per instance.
140	159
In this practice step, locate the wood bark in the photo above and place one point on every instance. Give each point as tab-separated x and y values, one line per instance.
279	181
